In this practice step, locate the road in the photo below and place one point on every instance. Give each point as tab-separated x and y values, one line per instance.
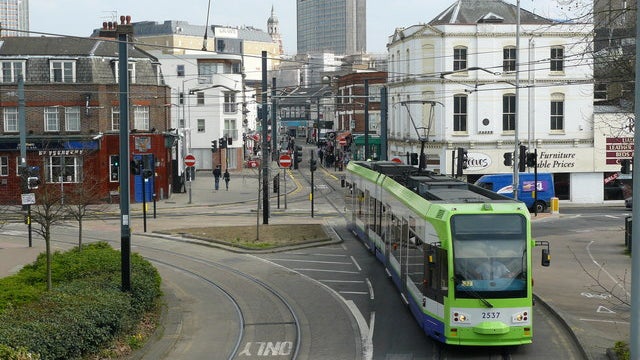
335	301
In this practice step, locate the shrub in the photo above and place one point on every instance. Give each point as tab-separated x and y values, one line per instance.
85	311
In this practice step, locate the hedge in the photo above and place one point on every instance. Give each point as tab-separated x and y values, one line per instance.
86	309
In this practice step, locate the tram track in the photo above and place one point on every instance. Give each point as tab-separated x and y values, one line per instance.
260	309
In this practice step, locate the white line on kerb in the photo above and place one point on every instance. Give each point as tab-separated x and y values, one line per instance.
356	263
370	288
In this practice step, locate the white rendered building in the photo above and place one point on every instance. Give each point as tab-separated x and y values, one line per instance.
460	77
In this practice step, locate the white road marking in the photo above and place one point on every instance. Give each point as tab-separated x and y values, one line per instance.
331	271
313	261
370	288
621	286
606	321
356	263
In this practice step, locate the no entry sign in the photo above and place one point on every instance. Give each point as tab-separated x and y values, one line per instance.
285	161
189	160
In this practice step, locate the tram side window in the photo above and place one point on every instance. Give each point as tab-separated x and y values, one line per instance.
373	216
415	257
396	233
436	272
360	200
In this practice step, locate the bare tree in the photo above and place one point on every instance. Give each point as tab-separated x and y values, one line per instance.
47	212
85	200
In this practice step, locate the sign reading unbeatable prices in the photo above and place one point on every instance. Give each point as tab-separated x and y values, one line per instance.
285	161
189	160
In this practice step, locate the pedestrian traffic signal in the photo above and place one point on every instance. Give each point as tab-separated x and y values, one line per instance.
625	166
313	165
223	143
508	159
115	167
214	146
522	157
414	158
297	156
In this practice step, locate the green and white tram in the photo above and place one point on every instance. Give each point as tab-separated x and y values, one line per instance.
459	254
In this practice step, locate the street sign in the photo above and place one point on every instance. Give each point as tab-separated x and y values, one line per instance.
189	160
285	161
28	199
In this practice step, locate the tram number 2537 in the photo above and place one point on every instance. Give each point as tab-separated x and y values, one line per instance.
491	314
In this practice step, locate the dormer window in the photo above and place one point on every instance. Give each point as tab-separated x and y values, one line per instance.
62	71
491	18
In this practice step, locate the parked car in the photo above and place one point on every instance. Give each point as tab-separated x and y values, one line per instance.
628	202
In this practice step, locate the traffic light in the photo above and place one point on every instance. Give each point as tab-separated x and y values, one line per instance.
115	167
147	173
508	159
313	165
214	146
229	141
532	160
463	158
135	167
223	143
297	156
625	166
414	158
522	157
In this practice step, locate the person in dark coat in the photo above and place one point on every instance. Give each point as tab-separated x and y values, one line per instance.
216	175
226	178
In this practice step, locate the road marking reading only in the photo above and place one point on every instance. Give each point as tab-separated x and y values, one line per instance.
268	348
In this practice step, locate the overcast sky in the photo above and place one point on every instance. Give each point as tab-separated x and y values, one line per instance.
80	17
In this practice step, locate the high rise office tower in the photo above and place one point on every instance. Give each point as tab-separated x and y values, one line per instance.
336	26
14	15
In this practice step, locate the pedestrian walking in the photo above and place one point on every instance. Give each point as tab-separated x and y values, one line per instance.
226	178
216	175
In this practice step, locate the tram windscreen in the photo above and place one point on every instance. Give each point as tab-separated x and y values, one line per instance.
490	255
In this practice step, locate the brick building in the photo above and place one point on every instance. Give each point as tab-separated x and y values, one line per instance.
72	115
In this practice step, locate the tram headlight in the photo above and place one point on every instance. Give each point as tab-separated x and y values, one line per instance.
520	317
460	318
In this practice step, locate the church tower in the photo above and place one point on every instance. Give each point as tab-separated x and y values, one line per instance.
273	28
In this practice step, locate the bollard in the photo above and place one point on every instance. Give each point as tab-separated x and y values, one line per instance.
555	205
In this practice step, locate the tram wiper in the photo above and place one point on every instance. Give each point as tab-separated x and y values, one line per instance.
457	278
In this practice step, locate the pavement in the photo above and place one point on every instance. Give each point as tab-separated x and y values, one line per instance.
595	325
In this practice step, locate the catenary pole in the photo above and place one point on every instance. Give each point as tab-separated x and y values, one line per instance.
516	152
265	143
634	345
124	31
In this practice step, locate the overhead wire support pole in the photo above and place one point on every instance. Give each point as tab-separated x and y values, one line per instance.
274	120
366	119
516	155
634	345
124	32
265	143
